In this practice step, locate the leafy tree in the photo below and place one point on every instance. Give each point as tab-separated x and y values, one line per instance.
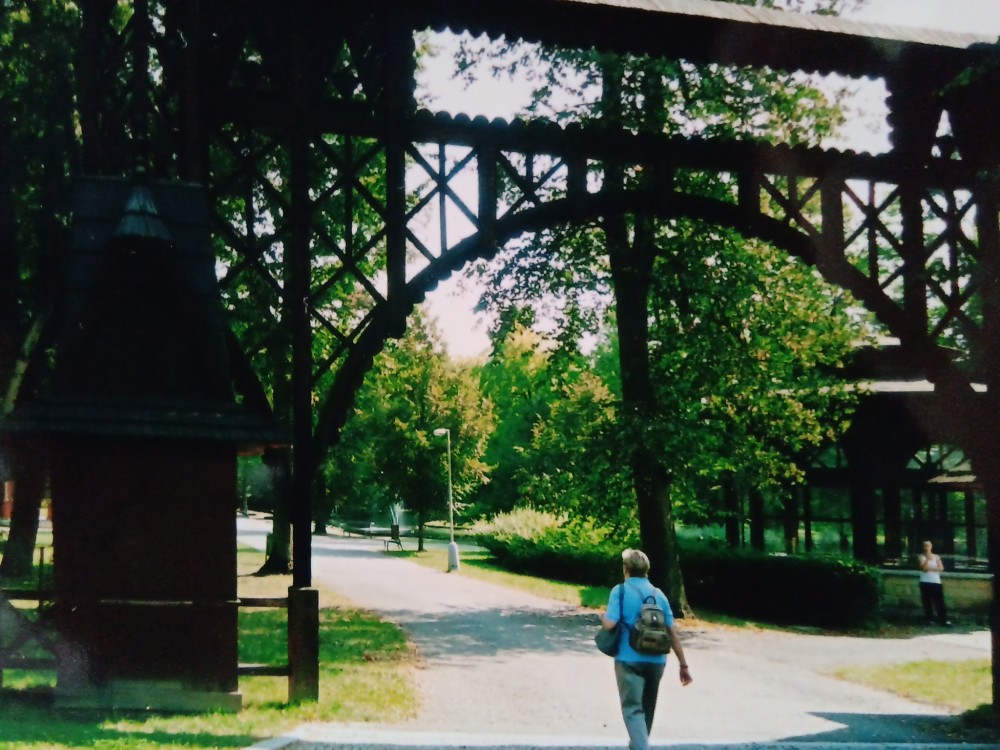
388	454
744	387
555	446
516	381
746	344
39	149
621	252
578	460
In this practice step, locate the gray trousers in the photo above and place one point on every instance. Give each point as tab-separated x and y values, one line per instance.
638	686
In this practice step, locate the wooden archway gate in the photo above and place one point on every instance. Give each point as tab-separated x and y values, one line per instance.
301	116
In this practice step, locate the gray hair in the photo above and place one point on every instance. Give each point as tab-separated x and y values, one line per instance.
635	562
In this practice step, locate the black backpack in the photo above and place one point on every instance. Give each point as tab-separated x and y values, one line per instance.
650	634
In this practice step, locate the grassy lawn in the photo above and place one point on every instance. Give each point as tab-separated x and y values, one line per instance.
476	564
365	675
959	685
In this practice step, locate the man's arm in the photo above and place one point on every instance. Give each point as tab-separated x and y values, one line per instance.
685	671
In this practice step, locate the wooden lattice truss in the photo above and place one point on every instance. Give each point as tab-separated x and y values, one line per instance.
300	117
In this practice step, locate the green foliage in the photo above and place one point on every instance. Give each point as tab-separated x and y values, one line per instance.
984	719
388	455
556	445
746	379
480	565
526	523
552	547
819	591
516	382
39	150
730	347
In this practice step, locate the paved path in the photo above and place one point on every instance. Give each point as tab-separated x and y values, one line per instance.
500	666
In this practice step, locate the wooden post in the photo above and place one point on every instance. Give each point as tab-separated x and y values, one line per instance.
303	644
971	546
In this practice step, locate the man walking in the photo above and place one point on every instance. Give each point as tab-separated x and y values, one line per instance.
638	675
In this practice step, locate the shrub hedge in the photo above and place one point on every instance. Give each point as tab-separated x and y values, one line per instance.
814	591
554	555
792	590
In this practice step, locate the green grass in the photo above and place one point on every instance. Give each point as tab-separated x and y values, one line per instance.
478	565
41	575
366	669
959	685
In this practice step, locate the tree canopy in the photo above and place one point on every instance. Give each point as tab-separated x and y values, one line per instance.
389	456
693	307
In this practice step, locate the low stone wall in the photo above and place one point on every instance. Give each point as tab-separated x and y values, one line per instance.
964	593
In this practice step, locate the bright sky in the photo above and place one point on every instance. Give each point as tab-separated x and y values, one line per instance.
974	16
464	331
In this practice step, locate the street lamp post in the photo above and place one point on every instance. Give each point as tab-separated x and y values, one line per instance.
452	545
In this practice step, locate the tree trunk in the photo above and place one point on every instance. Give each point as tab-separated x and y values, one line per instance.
29	487
734	512
631	270
649	476
756	512
10	270
279	557
790	518
322	504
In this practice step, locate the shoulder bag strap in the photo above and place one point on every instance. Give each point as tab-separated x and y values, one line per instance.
621	606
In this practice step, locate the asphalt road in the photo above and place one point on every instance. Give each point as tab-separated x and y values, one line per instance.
500	664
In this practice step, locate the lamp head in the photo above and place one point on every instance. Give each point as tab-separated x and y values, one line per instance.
442	431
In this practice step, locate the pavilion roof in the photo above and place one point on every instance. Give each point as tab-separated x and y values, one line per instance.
711	31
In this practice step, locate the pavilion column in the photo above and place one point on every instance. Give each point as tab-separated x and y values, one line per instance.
303	601
864	522
892	507
975	115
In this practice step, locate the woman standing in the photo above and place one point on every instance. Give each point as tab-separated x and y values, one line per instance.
931	590
638	675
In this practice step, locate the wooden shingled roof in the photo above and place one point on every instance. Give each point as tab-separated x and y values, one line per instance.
706	31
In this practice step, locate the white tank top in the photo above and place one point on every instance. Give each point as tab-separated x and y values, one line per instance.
933	572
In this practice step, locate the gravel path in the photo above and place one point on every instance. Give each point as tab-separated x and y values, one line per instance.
497	662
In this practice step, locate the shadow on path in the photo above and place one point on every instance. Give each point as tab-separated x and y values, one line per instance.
891	729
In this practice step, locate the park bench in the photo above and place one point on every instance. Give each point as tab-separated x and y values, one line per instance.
393	537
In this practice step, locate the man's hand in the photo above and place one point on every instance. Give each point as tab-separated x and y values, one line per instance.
686	678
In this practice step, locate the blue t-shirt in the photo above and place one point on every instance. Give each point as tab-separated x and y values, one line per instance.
636	591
